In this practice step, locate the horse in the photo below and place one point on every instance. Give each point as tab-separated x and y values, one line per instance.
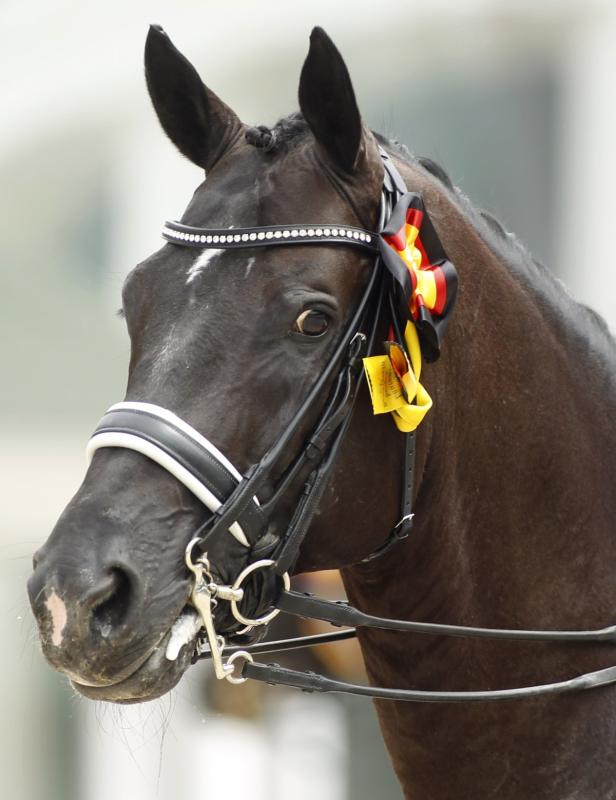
512	497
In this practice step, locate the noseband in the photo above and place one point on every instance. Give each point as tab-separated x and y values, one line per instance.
232	498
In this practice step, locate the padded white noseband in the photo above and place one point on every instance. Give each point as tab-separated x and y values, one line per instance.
135	441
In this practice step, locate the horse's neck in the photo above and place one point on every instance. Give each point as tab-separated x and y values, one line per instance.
514	511
516	459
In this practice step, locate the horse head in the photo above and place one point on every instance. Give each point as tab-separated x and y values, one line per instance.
230	341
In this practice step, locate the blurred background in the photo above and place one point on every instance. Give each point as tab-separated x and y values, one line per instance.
514	98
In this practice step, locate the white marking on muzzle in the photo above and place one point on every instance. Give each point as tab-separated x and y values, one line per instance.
57	609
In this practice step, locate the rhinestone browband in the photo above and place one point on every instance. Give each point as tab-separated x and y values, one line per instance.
279	234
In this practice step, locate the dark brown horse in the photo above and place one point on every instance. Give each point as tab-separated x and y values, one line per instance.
513	493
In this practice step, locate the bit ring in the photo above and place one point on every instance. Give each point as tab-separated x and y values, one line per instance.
230	662
201	563
262	564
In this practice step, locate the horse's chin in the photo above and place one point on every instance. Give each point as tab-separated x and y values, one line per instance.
156	676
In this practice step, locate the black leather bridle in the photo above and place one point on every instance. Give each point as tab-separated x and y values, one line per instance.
232	498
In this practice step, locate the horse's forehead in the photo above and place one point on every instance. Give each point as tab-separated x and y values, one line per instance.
250	188
256	188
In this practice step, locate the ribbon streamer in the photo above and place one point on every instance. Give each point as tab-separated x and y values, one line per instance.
394	383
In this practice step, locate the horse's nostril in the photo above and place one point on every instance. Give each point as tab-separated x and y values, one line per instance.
112	603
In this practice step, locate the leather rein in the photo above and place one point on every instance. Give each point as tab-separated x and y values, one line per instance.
232	498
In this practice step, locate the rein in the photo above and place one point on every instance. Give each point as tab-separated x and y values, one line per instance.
232	498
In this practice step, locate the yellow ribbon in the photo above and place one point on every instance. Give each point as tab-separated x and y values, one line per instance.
394	383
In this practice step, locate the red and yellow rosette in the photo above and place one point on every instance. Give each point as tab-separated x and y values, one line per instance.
424	288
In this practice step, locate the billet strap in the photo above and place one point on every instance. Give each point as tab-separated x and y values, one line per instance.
267	235
404	525
173	444
312	682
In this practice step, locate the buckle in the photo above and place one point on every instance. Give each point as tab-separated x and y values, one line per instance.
356	345
402	528
314	448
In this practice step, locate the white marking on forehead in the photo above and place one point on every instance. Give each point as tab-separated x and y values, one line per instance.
201	263
249	266
57	609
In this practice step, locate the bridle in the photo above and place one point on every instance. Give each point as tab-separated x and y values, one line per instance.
232	498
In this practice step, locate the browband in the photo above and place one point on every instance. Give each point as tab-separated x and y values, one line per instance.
173	444
266	235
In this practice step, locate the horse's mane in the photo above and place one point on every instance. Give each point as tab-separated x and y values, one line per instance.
552	293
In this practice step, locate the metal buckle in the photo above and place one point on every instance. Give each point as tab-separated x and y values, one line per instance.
356	345
407	518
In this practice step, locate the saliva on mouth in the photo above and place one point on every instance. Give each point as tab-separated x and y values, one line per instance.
188	628
184	631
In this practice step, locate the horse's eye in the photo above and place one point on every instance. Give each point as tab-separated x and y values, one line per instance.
311	323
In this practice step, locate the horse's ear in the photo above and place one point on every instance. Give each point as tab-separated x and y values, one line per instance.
199	124
327	101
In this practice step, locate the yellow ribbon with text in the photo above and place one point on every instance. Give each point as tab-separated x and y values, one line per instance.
394	384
